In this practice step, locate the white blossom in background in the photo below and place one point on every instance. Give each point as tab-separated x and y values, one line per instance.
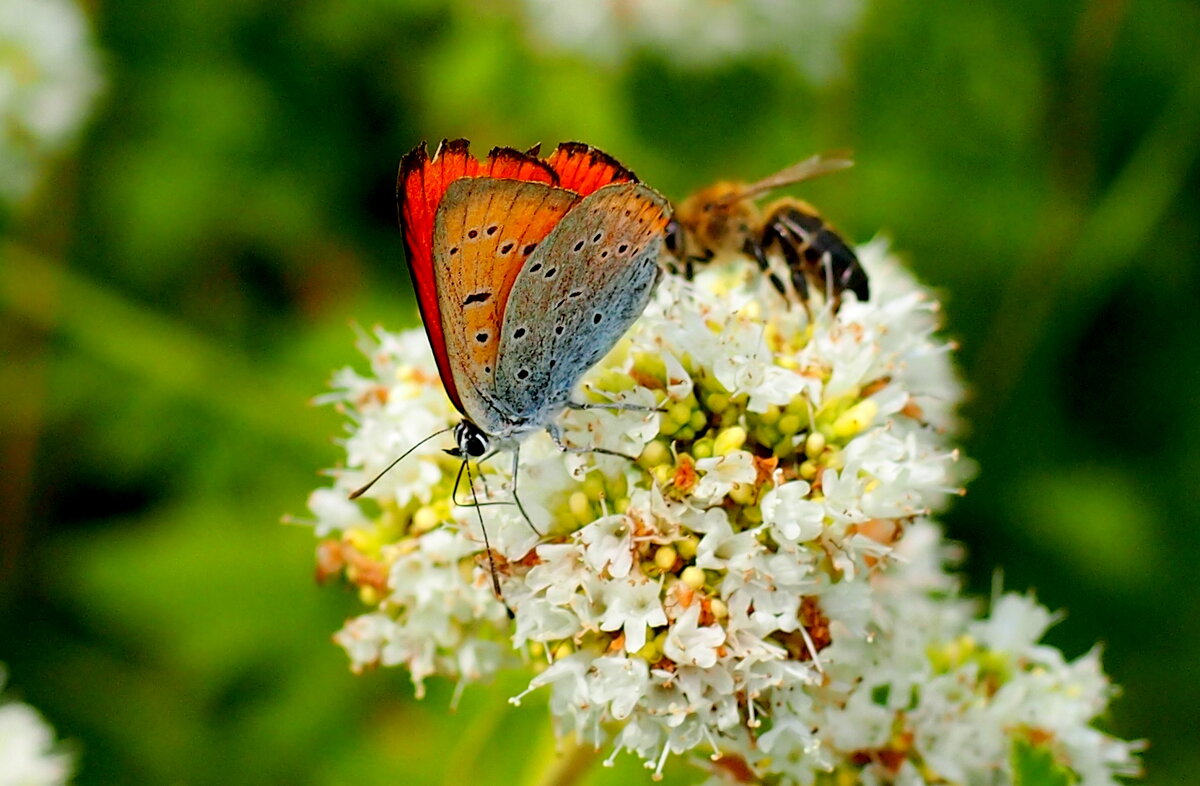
694	33
29	755
762	591
49	76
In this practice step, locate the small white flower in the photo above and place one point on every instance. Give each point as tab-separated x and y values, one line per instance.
28	751
609	545
718	475
791	517
722	548
690	644
49	78
632	606
334	511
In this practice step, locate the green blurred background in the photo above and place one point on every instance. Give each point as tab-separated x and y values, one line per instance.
182	284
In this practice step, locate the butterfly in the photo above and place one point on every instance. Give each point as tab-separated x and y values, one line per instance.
527	271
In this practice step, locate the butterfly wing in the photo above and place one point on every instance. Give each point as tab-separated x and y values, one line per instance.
578	293
584	169
484	231
420	187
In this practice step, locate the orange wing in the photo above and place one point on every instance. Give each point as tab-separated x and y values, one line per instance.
420	186
486	229
583	169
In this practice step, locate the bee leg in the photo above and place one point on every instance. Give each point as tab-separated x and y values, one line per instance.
826	255
790	245
755	251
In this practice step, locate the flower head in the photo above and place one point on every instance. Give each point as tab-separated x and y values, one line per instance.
763	583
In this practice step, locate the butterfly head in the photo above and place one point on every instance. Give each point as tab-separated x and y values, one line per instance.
471	441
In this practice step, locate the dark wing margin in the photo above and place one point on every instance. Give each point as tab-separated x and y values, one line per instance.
583	169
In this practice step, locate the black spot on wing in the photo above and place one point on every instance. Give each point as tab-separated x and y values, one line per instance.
477	297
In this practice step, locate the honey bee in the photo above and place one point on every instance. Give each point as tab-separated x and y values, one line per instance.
790	242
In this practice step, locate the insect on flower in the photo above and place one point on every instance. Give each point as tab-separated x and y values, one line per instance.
527	271
789	241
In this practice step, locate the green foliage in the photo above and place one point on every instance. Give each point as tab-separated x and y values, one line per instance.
1035	765
182	285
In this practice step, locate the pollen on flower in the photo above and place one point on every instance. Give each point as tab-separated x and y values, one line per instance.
760	583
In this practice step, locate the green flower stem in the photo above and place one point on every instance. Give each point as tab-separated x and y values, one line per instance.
571	764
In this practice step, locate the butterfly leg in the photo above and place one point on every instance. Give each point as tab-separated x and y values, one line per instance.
487	493
515	467
615	406
473	502
487	546
556	435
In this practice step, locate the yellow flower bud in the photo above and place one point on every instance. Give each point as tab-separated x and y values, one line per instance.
425	519
687	546
717	402
664	558
743	493
729	440
680	413
855	419
790	424
718	608
580	507
655	454
693	577
814	443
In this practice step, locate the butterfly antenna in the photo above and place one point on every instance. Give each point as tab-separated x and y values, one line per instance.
482	528
363	489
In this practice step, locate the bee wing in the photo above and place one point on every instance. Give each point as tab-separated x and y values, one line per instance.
809	168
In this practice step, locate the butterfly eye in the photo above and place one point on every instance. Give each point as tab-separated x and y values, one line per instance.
476	445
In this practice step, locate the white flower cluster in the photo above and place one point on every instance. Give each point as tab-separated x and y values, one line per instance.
49	75
700	32
27	748
762	584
